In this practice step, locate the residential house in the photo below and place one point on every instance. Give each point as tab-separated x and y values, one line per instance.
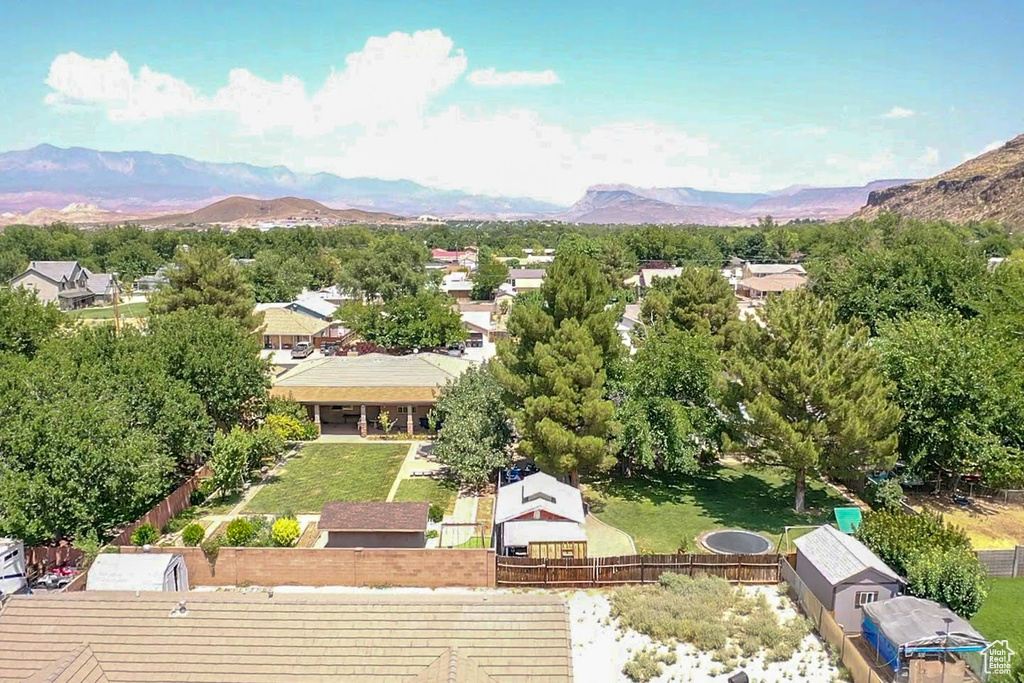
374	525
151	283
762	286
66	283
526	279
649	275
843	574
457	285
630	321
283	328
467	258
767	269
539	516
269	637
350	392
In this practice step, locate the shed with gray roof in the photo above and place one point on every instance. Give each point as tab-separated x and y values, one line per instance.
843	574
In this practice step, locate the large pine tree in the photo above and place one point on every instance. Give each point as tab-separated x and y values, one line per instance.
812	397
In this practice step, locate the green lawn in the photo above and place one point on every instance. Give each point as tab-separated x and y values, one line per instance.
998	618
660	512
426	490
325	472
139	309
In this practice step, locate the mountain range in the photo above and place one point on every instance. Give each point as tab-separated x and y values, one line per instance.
143	182
246	211
627	204
987	187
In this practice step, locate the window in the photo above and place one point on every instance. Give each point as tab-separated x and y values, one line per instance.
864	597
405	410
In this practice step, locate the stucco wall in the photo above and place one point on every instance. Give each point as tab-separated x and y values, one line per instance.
46	290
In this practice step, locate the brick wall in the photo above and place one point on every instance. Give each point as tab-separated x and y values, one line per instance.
427	568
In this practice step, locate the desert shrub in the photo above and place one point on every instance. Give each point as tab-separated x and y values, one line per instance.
239	532
193	534
90	545
885	496
646	664
936	558
285	532
146	534
436	513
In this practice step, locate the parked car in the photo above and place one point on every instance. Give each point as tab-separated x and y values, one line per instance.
302	350
330	349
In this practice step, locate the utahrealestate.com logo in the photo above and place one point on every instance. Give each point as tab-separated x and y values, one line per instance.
997	657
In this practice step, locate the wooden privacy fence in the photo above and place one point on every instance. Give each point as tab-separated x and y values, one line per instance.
594	572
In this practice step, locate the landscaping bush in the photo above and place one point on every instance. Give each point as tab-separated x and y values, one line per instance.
431	533
198	495
646	664
265	446
291	428
239	532
146	534
180	520
436	513
936	557
285	532
193	534
885	496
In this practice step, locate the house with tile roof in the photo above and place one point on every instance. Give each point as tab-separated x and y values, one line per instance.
843	574
270	637
348	393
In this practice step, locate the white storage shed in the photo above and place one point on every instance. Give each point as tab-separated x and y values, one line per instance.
138	572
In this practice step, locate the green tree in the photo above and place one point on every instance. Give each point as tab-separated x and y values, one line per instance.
699	300
475	429
219	360
813	399
959	392
229	460
25	322
391	267
203	278
275	277
424	320
489	275
669	403
12	264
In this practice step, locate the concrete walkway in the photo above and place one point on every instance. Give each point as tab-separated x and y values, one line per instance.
409	465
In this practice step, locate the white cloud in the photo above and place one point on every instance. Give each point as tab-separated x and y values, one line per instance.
899	113
987	148
930	157
492	78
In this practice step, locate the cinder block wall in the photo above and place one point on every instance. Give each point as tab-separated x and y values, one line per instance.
426	568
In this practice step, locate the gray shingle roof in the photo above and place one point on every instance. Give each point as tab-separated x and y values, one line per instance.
55	270
527	273
839	556
775	268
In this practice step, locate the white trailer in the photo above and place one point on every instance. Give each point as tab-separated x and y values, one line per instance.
12	566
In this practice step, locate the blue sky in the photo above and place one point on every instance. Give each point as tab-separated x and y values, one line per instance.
525	98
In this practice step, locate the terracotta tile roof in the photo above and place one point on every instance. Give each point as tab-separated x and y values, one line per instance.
374	517
226	636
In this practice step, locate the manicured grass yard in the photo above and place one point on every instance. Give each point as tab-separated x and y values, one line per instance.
1001	617
139	309
661	512
427	490
323	472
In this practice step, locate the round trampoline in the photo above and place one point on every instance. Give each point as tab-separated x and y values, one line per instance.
736	542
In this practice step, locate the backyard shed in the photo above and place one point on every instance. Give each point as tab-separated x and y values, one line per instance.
375	525
539	516
843	574
911	628
138	572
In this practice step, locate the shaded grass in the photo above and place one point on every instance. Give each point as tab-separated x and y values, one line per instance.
663	513
439	491
138	309
220	505
324	472
1001	618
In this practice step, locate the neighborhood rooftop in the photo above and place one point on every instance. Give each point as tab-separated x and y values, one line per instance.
282	321
374	517
839	556
538	491
217	637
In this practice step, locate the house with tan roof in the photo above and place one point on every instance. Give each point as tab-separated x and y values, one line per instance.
349	393
762	286
219	637
283	328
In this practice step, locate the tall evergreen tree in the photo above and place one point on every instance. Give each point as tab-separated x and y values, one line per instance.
812	397
699	300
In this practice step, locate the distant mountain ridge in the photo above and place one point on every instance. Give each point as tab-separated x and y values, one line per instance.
987	187
628	204
248	211
53	177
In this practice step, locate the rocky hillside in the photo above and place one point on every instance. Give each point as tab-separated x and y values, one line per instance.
247	211
988	187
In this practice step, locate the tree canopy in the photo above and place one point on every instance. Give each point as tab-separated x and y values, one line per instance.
424	320
699	300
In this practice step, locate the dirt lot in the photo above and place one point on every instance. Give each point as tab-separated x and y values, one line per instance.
989	525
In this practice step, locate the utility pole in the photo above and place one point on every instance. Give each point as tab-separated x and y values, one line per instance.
117	310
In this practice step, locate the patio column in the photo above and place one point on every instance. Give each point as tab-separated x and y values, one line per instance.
408	420
362	420
316	413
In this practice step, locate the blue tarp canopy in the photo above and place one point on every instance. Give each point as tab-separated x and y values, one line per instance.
907	626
